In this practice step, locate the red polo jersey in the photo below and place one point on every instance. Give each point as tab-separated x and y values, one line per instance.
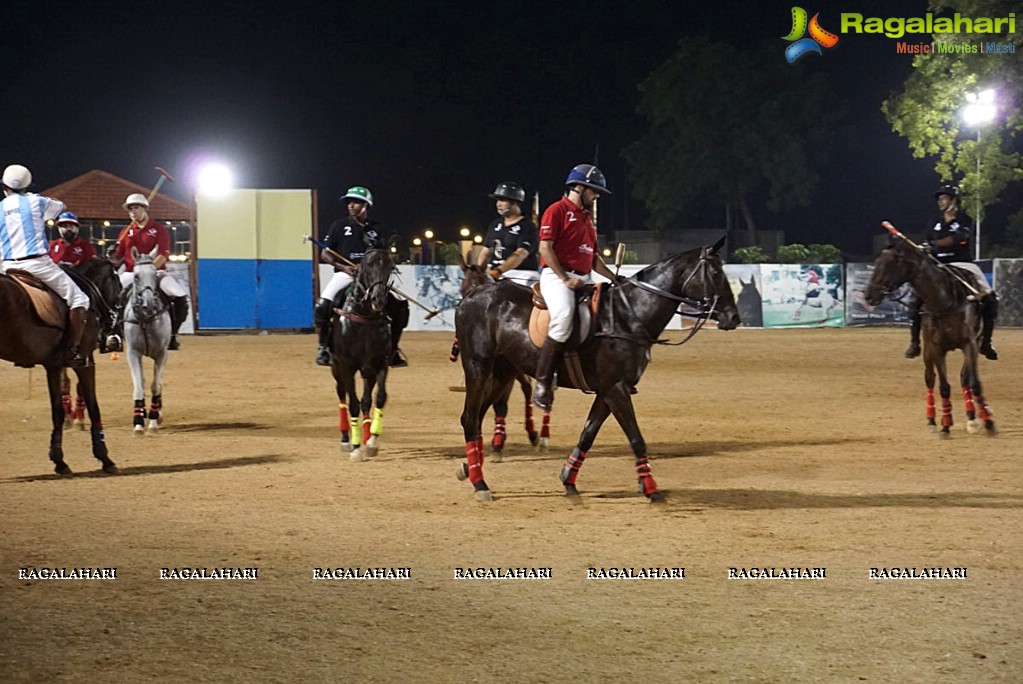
71	253
571	230
143	239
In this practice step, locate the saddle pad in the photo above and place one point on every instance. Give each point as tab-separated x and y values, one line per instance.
586	312
50	308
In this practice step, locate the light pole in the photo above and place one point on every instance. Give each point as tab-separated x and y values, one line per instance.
980	109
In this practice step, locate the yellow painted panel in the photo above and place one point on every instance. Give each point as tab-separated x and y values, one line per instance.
225	226
284	216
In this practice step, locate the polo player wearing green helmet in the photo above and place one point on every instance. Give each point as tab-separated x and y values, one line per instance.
351	237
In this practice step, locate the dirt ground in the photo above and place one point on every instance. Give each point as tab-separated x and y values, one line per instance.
781	449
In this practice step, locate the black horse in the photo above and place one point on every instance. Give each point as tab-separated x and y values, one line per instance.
950	321
26	340
360	341
492	325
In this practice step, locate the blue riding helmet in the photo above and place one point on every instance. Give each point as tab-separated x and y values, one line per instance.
68	217
588	175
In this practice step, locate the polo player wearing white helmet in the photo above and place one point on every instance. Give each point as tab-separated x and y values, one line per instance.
23	245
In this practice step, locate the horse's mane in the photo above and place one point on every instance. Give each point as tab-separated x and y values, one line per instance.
645	273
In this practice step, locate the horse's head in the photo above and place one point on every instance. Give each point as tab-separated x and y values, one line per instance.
145	297
372	279
708	284
898	263
473	276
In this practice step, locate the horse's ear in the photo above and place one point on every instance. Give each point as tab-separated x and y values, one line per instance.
718	245
154	252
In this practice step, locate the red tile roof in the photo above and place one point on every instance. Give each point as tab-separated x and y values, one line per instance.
98	195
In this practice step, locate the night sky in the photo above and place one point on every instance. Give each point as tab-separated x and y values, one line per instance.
428	104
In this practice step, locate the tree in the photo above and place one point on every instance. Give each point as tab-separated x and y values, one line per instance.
825	254
793	254
928	111
751	255
722	126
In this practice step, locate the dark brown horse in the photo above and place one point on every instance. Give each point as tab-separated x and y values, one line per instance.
360	342
492	325
951	320
26	341
475	276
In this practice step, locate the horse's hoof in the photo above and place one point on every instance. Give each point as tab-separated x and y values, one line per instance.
496	456
483	495
571	491
346	447
656	498
139	430
534	439
989	425
357	456
62	469
542	446
80	424
154	428
463	472
932	428
372	451
973	426
944	434
110	468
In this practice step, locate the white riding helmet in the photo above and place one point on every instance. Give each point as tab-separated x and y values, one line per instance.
17	177
136	198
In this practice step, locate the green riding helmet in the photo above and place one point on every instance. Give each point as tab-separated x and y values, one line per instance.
359	194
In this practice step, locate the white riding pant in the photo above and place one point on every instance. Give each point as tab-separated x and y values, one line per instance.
982	287
522	277
56	279
560	303
168	283
339	281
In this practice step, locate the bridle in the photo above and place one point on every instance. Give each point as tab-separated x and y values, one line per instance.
142	316
359	296
701	309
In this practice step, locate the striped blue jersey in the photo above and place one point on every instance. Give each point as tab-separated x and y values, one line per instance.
23	224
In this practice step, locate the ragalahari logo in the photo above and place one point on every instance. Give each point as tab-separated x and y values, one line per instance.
803	46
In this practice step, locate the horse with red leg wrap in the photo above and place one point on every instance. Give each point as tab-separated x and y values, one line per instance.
951	320
476	276
492	326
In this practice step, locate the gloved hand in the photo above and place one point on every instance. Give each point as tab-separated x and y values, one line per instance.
924	248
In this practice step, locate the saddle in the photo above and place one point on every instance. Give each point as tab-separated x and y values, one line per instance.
587	299
51	309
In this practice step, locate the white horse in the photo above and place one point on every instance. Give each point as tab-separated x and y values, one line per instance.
147	330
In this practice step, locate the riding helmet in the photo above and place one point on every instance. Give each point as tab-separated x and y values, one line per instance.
17	177
68	217
359	194
510	191
588	175
135	198
947	189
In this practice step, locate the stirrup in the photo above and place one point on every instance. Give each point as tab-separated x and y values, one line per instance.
113	343
74	358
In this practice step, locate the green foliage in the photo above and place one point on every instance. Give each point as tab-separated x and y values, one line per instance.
928	112
722	126
751	255
447	253
825	254
793	254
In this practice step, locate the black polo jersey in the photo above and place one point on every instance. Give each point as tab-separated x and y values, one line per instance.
959	230
350	239
502	241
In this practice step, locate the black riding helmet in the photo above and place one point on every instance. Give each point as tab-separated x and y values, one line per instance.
509	191
947	189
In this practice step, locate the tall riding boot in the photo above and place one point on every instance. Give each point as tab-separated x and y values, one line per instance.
989	314
913	350
179	313
74	357
321	321
398	311
550	354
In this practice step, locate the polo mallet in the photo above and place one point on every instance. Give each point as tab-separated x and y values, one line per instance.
164	176
896	232
430	313
619	257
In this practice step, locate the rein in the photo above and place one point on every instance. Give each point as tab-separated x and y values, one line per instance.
705	308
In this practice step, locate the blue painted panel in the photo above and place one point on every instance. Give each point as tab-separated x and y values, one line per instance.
284	297
227	293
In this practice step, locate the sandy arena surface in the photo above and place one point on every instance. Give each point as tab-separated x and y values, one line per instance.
775	449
